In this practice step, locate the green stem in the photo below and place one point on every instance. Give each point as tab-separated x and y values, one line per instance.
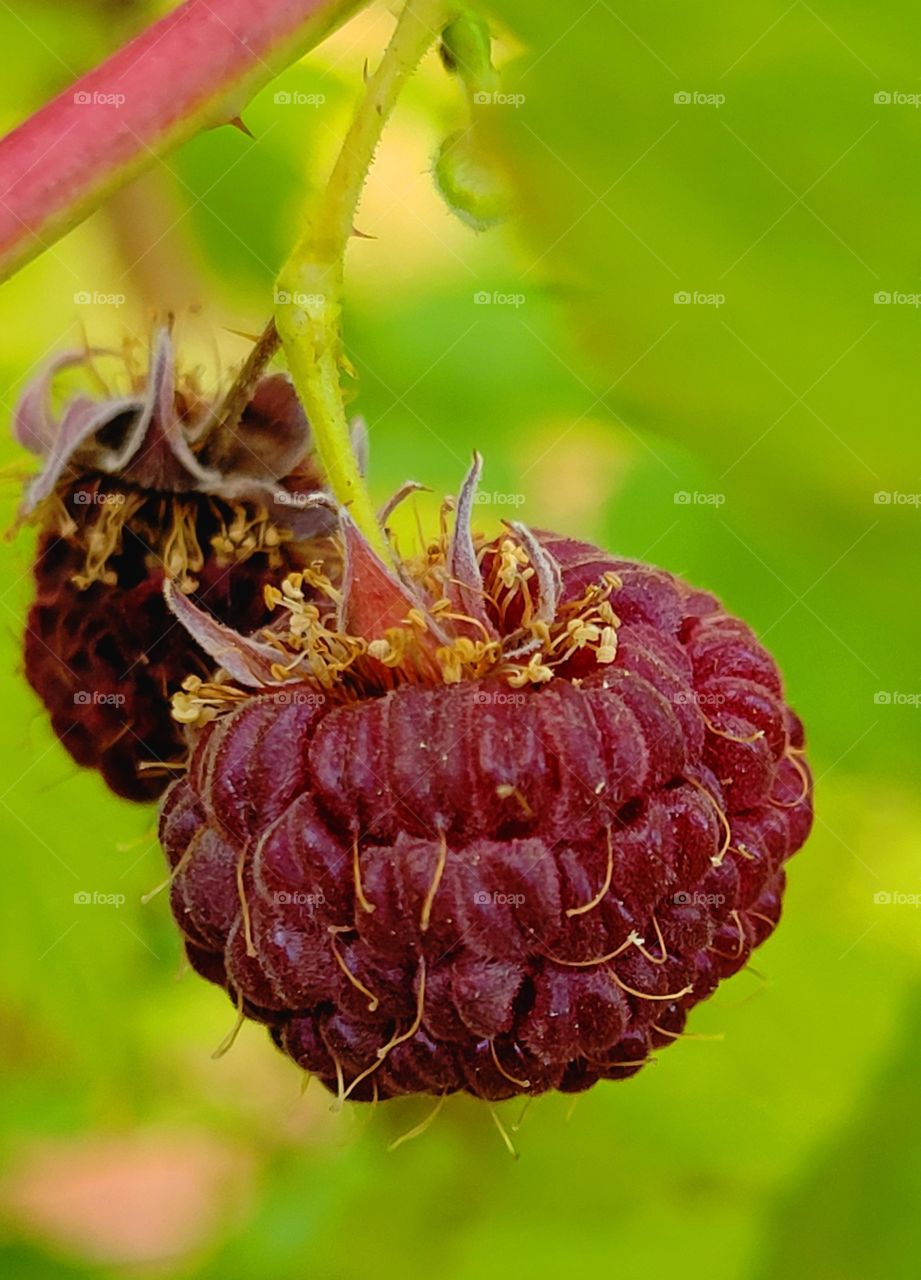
309	292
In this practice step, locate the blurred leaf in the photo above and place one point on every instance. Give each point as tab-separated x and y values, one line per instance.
856	1213
599	402
791	203
25	1262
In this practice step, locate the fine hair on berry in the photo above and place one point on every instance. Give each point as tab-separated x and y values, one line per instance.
492	821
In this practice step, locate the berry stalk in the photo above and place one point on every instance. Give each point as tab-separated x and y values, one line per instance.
309	292
194	69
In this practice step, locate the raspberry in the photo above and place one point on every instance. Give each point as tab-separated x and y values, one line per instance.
134	488
495	825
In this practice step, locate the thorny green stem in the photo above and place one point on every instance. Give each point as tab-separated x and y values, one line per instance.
309	292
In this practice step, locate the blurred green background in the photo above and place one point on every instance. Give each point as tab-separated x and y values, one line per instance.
711	362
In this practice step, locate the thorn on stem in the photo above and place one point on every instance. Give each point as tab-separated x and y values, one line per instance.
239	123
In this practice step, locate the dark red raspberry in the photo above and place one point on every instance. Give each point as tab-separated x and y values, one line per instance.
136	487
509	819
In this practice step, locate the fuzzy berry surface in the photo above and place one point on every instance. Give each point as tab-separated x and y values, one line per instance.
104	659
497	890
134	489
